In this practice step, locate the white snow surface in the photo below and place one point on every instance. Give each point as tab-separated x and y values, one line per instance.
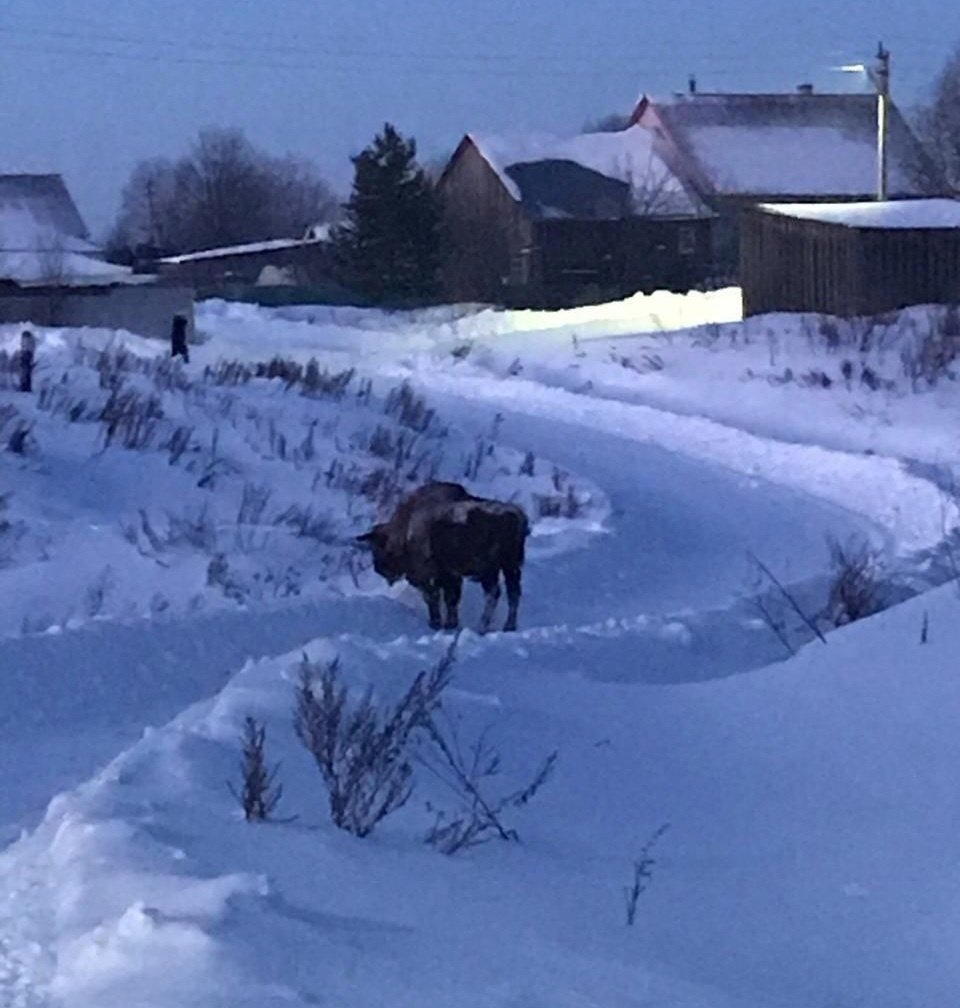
626	155
809	860
921	213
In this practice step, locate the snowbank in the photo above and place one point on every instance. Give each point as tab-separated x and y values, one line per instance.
808	861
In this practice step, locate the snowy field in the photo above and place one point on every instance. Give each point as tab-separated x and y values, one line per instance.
177	540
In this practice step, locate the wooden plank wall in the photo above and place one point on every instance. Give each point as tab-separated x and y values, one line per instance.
788	264
486	229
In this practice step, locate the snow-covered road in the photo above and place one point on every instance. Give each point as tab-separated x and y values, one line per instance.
665	574
810	860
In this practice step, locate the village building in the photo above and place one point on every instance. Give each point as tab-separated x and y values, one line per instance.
250	270
737	150
850	258
544	221
51	273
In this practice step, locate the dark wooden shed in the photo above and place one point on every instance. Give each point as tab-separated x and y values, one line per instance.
850	258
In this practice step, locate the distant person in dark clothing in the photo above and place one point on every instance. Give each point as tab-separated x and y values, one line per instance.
28	345
178	338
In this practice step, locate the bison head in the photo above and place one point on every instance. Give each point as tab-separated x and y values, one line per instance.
388	561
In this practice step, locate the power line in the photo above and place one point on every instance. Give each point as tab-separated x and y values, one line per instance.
171	59
632	59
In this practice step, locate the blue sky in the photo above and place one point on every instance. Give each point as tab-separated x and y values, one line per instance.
89	87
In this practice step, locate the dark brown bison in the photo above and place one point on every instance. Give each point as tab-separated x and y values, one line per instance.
440	535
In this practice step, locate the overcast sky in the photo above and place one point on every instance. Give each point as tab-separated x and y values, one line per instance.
89	87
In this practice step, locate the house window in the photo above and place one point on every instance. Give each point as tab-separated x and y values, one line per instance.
686	240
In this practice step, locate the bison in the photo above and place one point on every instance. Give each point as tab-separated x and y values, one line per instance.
441	534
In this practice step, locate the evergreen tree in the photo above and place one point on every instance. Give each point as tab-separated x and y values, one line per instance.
389	245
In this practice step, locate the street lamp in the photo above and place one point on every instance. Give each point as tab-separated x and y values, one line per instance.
879	75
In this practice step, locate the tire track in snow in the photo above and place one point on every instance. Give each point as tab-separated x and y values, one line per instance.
908	507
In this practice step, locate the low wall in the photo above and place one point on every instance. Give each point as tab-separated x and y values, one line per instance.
144	309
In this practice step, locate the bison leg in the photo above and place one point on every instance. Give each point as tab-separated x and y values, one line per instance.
452	590
431	595
491	589
511	579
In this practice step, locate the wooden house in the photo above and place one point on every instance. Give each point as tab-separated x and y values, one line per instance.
546	222
736	150
850	258
241	270
51	273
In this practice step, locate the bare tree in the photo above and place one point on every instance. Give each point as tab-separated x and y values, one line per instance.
654	189
224	191
938	126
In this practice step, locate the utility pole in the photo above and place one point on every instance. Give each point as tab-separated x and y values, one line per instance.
880	75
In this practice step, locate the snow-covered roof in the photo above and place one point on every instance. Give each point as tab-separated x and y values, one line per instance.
44	199
789	144
626	156
919	213
33	250
67	268
271	245
22	231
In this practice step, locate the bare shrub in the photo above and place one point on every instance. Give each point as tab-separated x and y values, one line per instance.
11	532
930	356
288	371
166	374
192	527
829	332
306	524
642	873
473	463
259	793
325	384
220	575
177	443
250	513
130	419
111	364
364	750
566	504
772	614
479	817
409	409
382	443
95	597
150	534
648	362
856	587
815	378
20	439
227	372
306	451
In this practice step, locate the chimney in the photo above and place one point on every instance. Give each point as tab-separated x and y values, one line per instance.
692	84
804	89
